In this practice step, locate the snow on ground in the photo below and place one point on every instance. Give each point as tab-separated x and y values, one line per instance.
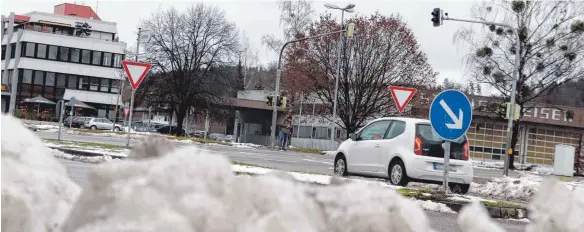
246	145
521	188
80	158
329	153
94	149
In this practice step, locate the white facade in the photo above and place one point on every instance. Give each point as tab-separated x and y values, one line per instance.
91	65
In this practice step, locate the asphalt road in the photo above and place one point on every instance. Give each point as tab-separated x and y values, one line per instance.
283	160
440	222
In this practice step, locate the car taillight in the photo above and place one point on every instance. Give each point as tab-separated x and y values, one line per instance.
465	155
418	146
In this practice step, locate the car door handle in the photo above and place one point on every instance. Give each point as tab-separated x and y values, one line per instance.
377	146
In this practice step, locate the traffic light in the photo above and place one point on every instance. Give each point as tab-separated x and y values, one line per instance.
350	30
283	103
279	102
437	17
270	100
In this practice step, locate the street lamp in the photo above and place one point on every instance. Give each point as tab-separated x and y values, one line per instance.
349	9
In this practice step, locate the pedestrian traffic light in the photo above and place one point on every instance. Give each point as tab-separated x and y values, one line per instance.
437	17
279	101
270	100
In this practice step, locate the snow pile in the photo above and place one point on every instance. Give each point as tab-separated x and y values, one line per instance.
521	188
246	145
555	209
474	217
192	191
37	195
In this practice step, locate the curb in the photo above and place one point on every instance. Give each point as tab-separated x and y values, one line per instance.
83	153
494	212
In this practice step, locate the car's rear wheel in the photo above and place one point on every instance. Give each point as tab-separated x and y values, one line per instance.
459	188
397	173
341	166
93	127
116	129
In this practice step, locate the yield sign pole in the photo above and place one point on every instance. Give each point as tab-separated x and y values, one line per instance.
136	73
401	96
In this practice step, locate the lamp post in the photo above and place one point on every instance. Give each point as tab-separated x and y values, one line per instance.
349	9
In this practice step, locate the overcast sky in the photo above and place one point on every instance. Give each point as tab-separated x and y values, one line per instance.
257	18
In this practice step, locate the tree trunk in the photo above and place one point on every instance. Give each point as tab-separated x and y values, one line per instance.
180	116
514	138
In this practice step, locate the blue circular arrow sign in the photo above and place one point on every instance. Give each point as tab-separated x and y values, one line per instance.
450	114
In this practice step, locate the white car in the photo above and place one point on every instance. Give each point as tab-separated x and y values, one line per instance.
404	150
101	124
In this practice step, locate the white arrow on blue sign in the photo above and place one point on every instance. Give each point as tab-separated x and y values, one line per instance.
450	114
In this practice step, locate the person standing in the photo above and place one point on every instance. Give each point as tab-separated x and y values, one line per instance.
282	136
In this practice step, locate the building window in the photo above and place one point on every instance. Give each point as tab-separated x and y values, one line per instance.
118	60
96	58
64	54
107	59
94	84
75	55
85	56
39	78
83	83
3	52
50	79
61	80
104	85
13	51
115	86
41	51
29	49
27	76
72	82
53	51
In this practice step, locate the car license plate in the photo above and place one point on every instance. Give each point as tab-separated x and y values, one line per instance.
438	166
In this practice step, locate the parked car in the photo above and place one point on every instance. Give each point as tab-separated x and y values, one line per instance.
101	124
170	130
225	138
404	150
77	122
197	134
214	136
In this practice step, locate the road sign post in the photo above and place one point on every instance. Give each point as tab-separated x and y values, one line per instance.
136	73
401	96
72	102
448	125
61	110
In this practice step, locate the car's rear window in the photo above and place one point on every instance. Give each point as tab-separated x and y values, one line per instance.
432	143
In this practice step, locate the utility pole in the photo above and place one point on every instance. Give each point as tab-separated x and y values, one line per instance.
348	8
513	82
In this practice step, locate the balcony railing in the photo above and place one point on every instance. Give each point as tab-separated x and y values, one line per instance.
63	30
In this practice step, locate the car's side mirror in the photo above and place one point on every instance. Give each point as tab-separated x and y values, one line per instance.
353	136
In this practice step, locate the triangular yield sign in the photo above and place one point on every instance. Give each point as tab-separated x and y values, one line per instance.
401	96
136	72
126	111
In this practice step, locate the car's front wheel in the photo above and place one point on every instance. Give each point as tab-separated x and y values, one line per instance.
116	129
397	173
93	127
341	166
459	188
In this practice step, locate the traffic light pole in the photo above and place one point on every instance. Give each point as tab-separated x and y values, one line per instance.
513	85
277	88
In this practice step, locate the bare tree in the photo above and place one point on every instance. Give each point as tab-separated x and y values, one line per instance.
188	50
384	52
294	18
551	48
248	57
